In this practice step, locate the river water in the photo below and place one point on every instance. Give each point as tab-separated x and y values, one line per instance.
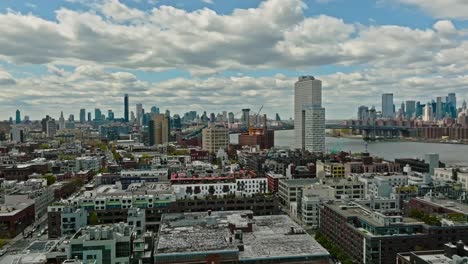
449	153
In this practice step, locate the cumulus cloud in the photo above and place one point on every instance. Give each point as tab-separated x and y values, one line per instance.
274	35
456	9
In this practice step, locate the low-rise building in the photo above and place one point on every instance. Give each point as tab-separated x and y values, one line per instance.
452	253
235	237
14	218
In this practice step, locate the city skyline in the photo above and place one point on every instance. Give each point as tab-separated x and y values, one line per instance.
422	55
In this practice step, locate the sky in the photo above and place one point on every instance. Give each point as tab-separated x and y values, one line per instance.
218	55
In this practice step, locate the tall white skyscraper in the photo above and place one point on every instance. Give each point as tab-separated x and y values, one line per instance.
309	115
387	106
427	115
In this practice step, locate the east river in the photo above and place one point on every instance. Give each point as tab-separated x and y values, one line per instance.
449	153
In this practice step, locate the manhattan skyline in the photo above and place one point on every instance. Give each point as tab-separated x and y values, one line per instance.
87	54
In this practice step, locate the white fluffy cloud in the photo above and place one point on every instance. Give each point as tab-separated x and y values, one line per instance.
275	35
456	9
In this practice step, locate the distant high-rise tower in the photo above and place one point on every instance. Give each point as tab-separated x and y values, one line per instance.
89	117
309	115
155	110
61	124
452	104
410	109
231	118
139	114
97	114
246	118
427	115
82	116
363	113
452	99
159	130
439	109
126	117
18	117
110	115
388	109
277	118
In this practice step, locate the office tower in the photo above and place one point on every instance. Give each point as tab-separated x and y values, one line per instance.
97	114
26	118
212	118
51	128
231	118
277	118
110	115
44	123
146	118
427	116
388	109
18	117
224	116
452	99
215	138
89	117
177	122
363	113
155	110
402	107
160	130
439	111
168	113
309	115
71	118
126	117
61	123
139	114
204	117
245	118
410	109
82	115
452	105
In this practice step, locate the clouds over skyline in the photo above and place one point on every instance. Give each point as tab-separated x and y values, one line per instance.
90	56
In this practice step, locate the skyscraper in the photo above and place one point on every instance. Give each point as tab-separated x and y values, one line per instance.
309	115
231	118
427	116
18	117
439	110
82	116
97	114
110	115
155	110
61	124
363	113
452	99
89	117
126	108
452	104
245	118
159	130
139	114
388	109
410	109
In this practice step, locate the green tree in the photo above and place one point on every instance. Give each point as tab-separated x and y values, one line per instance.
44	146
93	218
51	179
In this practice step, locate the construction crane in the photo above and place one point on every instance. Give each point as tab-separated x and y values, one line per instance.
258	115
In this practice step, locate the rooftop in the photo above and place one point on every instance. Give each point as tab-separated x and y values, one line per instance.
263	237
